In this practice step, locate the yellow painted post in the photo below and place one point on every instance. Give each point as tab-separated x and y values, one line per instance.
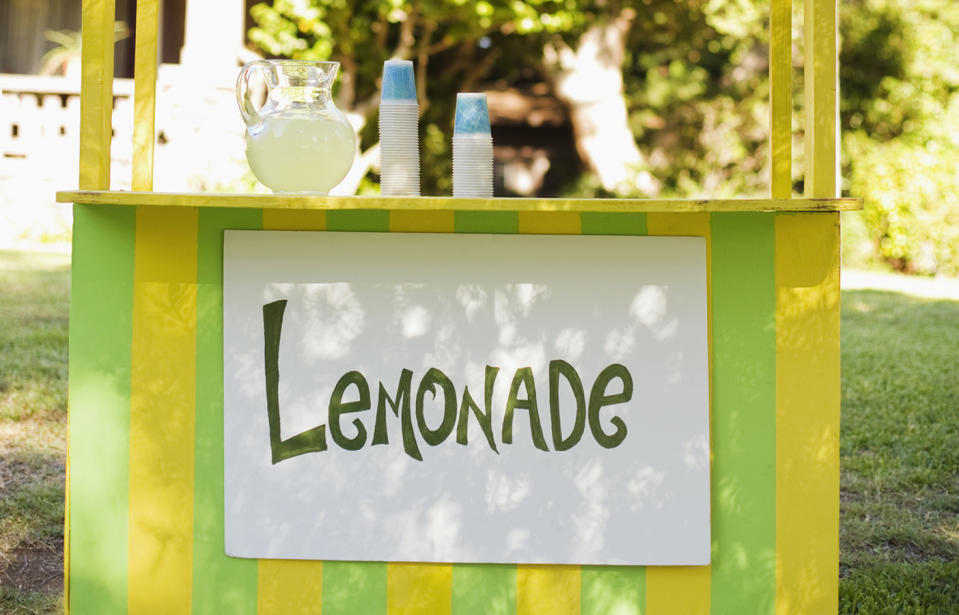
821	81
807	348
96	94
144	93
807	413
780	94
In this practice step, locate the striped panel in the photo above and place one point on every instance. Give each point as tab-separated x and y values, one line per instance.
144	93
162	411
743	414
414	589
484	588
221	584
775	502
807	413
290	587
101	296
681	590
96	94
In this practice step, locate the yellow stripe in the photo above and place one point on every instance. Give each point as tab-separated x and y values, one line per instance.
421	221
294	219
96	94
780	107
532	206
683	590
807	413
162	412
144	93
421	589
821	85
545	590
677	590
550	222
290	587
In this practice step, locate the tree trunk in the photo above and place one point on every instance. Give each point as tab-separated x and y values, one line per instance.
589	80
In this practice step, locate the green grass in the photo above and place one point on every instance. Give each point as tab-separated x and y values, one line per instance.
34	291
899	447
899	444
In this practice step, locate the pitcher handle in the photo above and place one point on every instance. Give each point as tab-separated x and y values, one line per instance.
250	114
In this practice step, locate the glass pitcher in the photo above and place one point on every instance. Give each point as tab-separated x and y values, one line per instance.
298	141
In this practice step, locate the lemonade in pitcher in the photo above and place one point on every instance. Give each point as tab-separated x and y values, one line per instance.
298	141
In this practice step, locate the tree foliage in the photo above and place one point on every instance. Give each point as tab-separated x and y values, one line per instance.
900	117
694	84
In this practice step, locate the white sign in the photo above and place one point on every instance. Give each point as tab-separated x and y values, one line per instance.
466	398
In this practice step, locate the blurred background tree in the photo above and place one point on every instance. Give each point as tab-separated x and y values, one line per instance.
669	98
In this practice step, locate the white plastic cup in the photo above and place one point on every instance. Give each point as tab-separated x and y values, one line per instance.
472	148
399	131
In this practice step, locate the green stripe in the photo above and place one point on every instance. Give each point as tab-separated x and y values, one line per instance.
484	588
101	328
499	222
358	220
613	589
630	223
221	584
355	587
743	413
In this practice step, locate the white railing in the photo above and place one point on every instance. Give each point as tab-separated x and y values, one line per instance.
199	145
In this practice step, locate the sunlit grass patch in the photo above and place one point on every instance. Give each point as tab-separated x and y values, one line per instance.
34	293
899	531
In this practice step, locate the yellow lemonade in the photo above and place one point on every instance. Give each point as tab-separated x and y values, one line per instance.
290	153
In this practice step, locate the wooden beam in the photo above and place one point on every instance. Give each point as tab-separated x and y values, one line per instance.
780	104
96	94
821	81
331	203
144	97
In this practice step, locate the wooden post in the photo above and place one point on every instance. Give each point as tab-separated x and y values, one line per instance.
96	94
144	94
821	98
780	104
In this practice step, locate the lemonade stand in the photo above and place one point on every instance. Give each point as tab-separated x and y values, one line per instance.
151	521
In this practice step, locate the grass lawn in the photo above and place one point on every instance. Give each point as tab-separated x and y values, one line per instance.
899	447
899	531
34	291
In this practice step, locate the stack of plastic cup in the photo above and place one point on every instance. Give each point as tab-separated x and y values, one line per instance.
399	131
472	148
